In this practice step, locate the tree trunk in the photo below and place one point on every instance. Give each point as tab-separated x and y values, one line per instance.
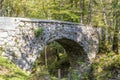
82	11
116	15
90	12
2	8
46	56
116	33
59	74
104	13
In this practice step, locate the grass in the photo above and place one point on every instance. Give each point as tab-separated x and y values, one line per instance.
106	67
9	71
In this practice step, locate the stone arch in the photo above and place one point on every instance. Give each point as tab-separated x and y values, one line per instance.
23	47
76	54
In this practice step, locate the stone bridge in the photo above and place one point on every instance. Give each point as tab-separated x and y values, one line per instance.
23	39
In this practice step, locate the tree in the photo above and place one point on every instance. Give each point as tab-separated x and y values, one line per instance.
2	7
82	11
90	12
116	14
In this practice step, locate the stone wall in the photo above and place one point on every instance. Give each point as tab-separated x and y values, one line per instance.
20	44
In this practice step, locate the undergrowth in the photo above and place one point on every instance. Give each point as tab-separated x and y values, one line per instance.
9	71
106	67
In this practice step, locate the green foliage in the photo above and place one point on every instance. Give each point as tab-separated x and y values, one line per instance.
69	10
38	31
106	67
55	60
74	75
9	71
86	76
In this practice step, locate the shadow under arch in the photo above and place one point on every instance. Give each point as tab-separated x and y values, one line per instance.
74	51
75	54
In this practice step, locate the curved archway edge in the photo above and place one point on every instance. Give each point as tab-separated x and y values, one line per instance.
23	47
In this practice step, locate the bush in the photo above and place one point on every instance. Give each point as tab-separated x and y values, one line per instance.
38	31
106	67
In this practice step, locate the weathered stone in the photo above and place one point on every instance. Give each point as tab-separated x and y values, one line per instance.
17	35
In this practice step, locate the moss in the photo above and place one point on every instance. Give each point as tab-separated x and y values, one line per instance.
38	31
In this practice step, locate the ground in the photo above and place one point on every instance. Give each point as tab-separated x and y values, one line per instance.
105	67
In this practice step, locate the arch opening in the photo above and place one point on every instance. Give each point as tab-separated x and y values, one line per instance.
72	47
61	54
